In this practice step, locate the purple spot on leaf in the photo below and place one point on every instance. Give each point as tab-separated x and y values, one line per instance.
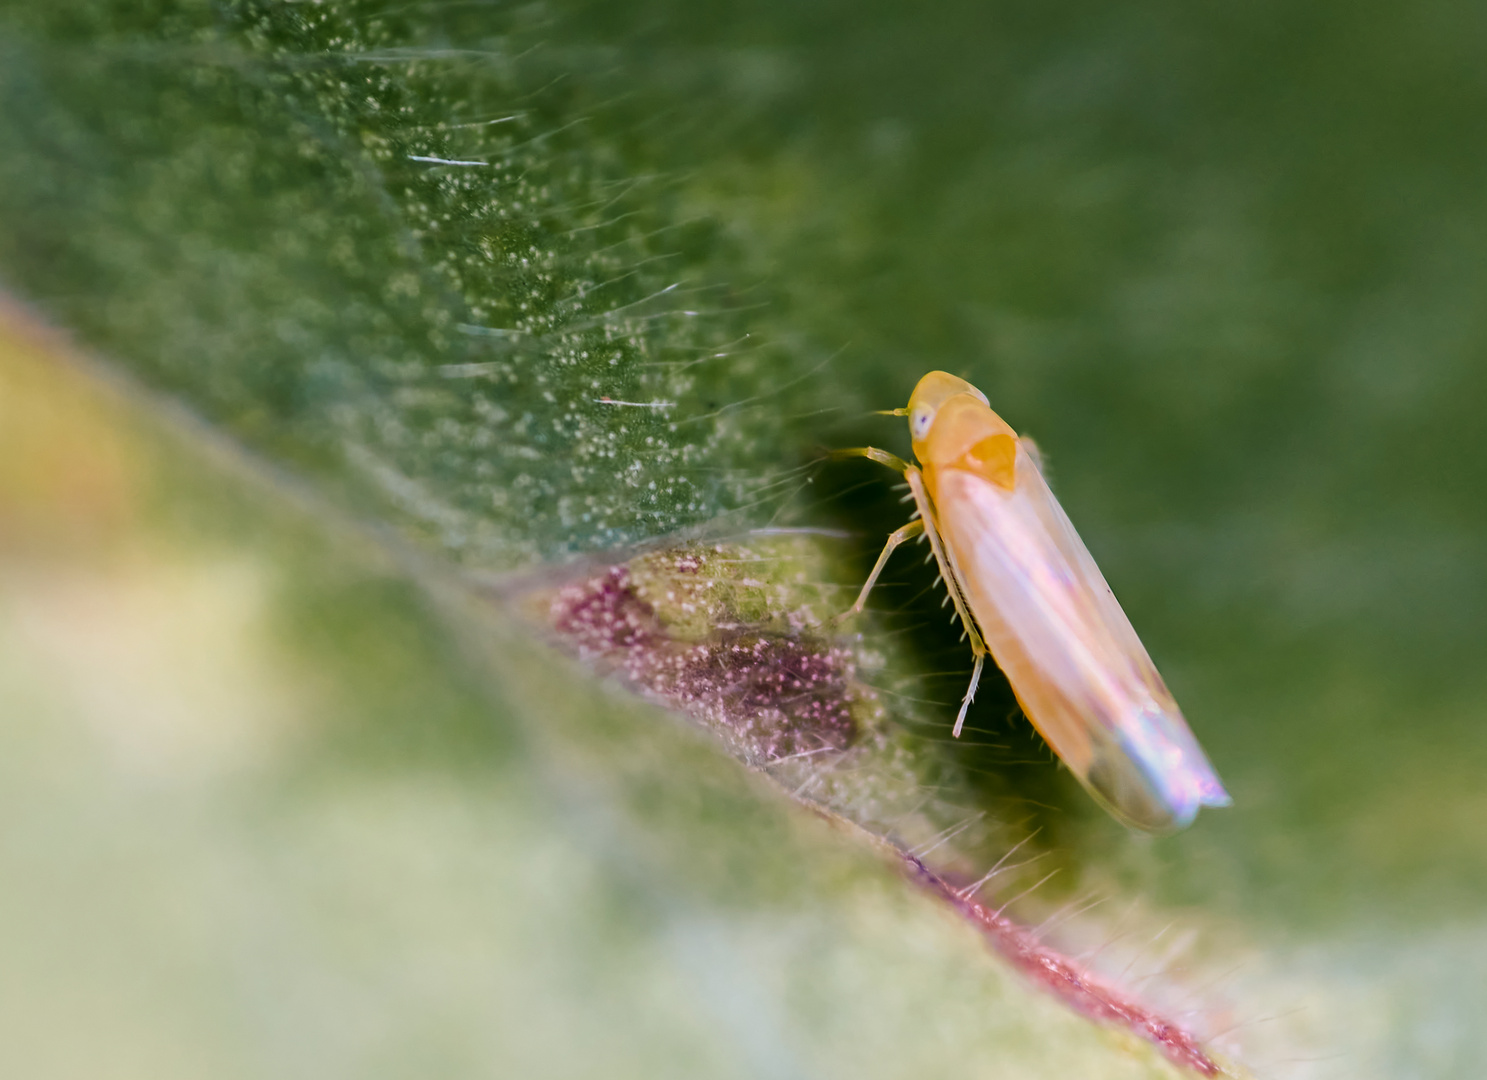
780	695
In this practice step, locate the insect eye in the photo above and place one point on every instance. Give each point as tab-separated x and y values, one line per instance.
920	421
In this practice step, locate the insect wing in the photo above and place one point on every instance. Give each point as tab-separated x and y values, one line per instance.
1071	655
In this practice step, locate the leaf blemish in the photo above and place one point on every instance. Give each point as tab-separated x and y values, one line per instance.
738	638
774	695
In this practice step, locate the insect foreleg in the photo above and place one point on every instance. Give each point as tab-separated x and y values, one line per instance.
872	453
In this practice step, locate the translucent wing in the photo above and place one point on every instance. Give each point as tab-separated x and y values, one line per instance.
1081	673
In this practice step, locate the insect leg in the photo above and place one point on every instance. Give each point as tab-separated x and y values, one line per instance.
955	583
882	457
908	532
970	693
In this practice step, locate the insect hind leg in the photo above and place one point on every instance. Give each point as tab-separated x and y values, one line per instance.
955	584
965	703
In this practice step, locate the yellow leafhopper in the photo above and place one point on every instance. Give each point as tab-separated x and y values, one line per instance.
1028	593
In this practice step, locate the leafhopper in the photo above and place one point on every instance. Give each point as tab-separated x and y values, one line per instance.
1029	594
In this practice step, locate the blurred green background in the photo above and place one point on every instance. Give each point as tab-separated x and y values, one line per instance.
284	800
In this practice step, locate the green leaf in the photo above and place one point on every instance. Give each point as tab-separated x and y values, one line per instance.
502	298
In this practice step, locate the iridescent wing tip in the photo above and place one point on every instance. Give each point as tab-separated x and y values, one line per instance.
1154	776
